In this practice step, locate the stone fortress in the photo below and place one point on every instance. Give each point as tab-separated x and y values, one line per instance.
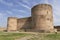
41	20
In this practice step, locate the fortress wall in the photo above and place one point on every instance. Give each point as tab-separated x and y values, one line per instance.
41	20
24	23
12	24
42	17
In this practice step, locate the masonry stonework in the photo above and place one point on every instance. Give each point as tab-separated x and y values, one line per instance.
24	23
42	17
12	24
41	20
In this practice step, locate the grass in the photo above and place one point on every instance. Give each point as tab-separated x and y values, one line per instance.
46	37
11	36
53	36
39	36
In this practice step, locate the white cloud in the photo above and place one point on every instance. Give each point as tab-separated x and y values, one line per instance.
56	8
20	11
26	1
6	3
56	12
56	21
1	14
19	16
24	5
9	12
3	20
46	1
54	1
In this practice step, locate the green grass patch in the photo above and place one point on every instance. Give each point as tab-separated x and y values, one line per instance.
43	36
12	36
46	37
53	36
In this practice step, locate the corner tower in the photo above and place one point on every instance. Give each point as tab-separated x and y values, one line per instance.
42	17
12	24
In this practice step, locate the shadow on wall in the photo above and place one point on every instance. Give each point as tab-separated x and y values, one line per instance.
25	24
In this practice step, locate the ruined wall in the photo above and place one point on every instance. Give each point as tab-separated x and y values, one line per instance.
12	24
24	23
16	24
41	20
42	17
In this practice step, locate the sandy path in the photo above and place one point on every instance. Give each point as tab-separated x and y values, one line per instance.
25	38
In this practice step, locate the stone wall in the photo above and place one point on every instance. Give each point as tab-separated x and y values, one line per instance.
24	23
17	24
12	24
42	17
41	20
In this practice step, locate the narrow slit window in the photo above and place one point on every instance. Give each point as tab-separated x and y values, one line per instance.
47	12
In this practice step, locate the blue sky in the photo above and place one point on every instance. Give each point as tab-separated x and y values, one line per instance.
22	8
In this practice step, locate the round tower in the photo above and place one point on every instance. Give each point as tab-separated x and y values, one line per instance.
42	18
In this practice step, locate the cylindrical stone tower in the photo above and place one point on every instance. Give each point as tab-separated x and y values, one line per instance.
42	18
